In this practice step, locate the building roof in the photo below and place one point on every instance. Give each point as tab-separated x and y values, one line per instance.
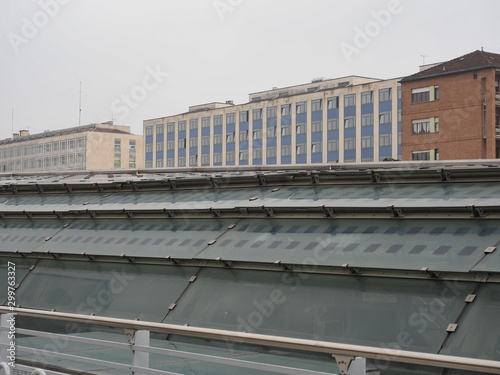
472	61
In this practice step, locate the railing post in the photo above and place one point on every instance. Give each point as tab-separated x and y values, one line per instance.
140	359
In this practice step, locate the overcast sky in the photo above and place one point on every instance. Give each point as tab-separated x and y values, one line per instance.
144	59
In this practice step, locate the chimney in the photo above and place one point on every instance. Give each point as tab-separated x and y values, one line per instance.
24	133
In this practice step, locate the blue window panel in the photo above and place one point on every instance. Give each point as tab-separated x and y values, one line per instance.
217	148
230	128
243	125
350	154
399	127
351	132
286	140
367	130
230	146
333	156
317	158
205	149
218	129
244	162
182	152
385	106
171	136
301	159
205	131
367	152
257	124
286	160
182	134
316	116
243	145
193	151
301	117
385	151
333	113
149	139
366	108
271	161
193	133
257	161
171	154
257	144
349	111
159	155
399	150
399	103
333	134
271	122
271	142
316	137
286	120
149	156
217	164
230	163
386	128
159	138
301	138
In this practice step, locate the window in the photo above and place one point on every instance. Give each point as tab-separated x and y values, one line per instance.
149	130
271	132
193	124
333	145
332	123
159	146
132	161
217	158
193	160
271	112
217	139
301	149
424	94
428	125
131	146
286	130
257	114
350	100
118	145
367	97
55	147
301	107
385	95
230	157
243	155
149	148
149	164
47	149
333	103
257	153
181	161
385	140
171	127
316	147
317	126
159	163
230	118
271	152
117	161
301	128
244	116
367	141
243	135
350	143
286	150
367	120
182	143
205	140
193	142
317	105
170	145
205	122
159	129
205	159
425	155
399	92
230	137
182	126
350	122
385	117
170	162
285	110
218	120
257	134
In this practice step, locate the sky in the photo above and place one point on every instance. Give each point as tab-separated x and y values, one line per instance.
70	62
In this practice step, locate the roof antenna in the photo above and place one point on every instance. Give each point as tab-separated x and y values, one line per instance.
80	107
423	58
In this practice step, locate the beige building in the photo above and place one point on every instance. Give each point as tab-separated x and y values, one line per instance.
89	147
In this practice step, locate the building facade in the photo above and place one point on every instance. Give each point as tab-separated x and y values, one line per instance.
451	110
350	119
89	147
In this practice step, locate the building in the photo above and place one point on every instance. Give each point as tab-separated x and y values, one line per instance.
237	271
451	110
350	119
89	147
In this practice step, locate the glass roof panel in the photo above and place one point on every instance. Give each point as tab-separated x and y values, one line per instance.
391	244
178	238
107	289
490	262
333	308
21	268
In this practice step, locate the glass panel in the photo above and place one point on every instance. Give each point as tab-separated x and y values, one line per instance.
490	262
21	268
325	307
107	289
389	244
178	238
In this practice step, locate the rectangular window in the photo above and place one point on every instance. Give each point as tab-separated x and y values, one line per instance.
149	164
244	116
149	148
132	162
182	143
271	132
350	122
131	146
159	129
367	97
257	114
317	126
333	145
350	100
385	95
367	120
170	162
193	142
425	155
286	150
217	139
271	152
205	140
428	125
217	158
424	94
367	141
117	161
171	127
230	157
399	92
257	153
332	124
55	147
385	139
181	161
243	155
257	134
205	159
271	112
385	117
301	149
159	146
286	110
333	103
193	160
118	145
205	122
243	135
317	105
182	127
230	137
230	118
218	120
170	145
286	130
159	163
149	130
301	107
350	143
301	128
316	147
193	124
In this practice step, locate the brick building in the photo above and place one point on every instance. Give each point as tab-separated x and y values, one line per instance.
450	110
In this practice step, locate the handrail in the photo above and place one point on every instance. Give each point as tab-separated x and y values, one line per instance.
427	359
